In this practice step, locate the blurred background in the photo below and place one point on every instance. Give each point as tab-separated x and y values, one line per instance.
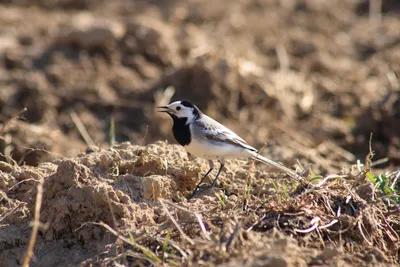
311	78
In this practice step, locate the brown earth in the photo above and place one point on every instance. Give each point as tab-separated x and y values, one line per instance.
311	78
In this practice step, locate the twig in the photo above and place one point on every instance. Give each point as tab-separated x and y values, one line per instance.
36	224
13	117
81	128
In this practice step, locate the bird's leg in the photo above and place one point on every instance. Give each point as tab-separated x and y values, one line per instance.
211	164
222	161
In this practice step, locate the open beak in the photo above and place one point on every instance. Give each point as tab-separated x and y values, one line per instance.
164	109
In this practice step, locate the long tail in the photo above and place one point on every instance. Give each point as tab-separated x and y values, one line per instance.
290	172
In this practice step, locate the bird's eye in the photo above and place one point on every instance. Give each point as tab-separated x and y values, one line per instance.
178	108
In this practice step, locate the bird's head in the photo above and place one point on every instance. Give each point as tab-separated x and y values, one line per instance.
181	110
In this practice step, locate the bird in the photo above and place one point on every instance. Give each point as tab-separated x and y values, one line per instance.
206	138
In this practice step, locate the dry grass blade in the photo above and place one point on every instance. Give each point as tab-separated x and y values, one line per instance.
20	182
359	224
36	223
164	98
329	177
81	128
151	257
173	244
186	237
198	216
334	221
314	222
395	180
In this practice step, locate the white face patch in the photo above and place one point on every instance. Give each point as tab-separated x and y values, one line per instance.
181	111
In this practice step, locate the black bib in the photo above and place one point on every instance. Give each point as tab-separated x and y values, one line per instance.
181	130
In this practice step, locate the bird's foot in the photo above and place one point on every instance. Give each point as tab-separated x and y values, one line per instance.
200	189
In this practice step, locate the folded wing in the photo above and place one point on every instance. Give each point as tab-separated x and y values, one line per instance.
214	131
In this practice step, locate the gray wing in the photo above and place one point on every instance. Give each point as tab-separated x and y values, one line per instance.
212	130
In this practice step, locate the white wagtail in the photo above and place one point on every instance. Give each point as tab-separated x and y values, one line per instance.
206	138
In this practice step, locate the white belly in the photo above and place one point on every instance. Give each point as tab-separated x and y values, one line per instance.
208	150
